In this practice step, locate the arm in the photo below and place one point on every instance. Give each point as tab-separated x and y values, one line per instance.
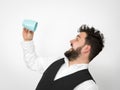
30	56
32	60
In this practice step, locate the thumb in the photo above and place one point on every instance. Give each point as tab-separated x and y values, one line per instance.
30	32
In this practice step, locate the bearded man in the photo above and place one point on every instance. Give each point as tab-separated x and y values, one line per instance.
70	72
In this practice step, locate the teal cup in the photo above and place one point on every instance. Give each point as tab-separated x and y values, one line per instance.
30	25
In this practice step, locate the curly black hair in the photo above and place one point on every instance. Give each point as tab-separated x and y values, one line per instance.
94	38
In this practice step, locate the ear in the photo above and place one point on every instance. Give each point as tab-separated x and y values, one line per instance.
86	49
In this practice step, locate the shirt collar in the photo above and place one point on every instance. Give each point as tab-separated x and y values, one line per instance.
81	66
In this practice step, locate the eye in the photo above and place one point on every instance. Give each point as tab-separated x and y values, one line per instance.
78	37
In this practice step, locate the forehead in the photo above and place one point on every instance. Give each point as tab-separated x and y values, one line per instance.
82	34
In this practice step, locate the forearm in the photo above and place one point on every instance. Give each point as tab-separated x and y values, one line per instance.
32	60
30	56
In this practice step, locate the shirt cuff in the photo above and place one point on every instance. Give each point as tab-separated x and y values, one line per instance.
27	44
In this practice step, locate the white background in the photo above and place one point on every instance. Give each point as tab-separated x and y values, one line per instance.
58	23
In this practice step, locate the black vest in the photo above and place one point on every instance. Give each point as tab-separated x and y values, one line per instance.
68	82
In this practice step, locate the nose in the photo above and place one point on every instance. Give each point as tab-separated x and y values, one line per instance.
71	41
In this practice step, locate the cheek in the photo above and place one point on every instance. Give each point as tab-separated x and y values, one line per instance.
76	45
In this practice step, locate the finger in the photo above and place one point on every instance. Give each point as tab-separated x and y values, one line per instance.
31	32
25	29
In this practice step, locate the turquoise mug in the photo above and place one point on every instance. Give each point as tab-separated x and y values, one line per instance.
30	25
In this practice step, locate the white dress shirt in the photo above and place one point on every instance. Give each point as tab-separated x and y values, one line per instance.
40	64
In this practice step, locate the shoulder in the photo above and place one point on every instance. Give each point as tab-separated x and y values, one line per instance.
87	85
57	62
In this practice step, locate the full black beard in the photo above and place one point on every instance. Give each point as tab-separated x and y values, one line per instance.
73	54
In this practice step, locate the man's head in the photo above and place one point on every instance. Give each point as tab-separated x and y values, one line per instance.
87	44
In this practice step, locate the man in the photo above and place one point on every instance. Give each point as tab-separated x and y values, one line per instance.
70	72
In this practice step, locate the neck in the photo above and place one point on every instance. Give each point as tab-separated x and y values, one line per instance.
79	61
